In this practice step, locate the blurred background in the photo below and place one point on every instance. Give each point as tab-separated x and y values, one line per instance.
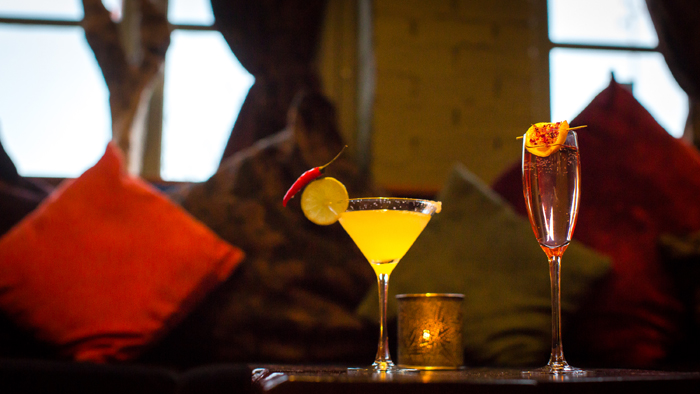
418	85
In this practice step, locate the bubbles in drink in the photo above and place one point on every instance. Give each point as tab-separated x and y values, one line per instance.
551	188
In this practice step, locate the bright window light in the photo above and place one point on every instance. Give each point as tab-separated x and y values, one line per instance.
50	9
601	22
54	104
190	12
205	86
578	75
54	108
54	9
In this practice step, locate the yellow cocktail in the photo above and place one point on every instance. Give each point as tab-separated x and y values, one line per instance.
384	236
384	229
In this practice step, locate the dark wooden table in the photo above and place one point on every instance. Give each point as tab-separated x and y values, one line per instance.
282	379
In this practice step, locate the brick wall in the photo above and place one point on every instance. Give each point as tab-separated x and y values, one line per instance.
456	80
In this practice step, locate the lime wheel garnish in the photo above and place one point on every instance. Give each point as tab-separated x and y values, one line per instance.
323	200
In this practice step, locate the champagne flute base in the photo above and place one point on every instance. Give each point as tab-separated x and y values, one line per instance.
556	369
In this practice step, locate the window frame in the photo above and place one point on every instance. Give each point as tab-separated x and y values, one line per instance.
551	45
150	167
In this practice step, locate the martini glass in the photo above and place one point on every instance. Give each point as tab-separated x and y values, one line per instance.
551	189
384	229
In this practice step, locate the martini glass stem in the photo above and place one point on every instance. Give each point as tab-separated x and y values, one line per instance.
556	361
383	359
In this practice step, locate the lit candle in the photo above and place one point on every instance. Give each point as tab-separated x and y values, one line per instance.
430	331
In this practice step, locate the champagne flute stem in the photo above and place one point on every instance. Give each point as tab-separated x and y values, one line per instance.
556	360
383	359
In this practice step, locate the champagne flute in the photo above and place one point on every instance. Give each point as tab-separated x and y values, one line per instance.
551	188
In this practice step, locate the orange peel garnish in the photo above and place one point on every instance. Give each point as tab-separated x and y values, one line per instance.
544	138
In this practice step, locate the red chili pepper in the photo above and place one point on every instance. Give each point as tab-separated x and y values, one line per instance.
306	178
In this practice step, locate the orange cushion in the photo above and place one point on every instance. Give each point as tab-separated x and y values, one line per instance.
106	264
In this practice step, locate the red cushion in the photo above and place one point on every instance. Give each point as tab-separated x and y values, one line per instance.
106	264
637	183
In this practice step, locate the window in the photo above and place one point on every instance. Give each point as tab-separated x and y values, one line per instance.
54	109
592	39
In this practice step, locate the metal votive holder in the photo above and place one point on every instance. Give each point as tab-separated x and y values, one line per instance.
430	331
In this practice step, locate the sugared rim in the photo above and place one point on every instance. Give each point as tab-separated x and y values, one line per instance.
395	198
435	206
